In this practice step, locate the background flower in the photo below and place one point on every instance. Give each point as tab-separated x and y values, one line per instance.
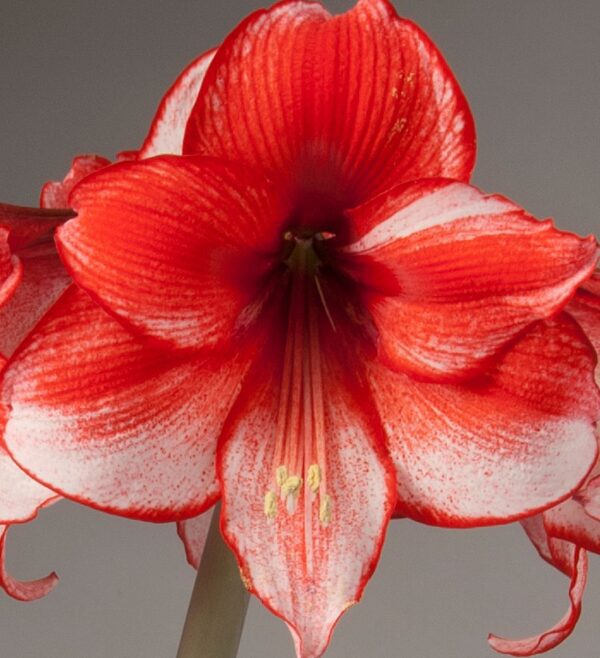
518	183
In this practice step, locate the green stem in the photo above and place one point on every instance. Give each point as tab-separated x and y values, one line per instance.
215	617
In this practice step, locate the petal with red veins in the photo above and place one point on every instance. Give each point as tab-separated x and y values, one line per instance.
11	268
104	419
499	448
176	248
572	561
44	279
338	107
168	126
193	533
55	194
450	275
18	589
305	572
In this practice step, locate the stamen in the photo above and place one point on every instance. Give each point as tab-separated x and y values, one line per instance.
292	485
314	477
281	475
299	451
322	297
325	510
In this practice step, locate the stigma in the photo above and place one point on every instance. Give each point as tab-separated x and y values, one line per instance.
299	467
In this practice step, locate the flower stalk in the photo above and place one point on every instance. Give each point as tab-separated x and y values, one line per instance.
215	617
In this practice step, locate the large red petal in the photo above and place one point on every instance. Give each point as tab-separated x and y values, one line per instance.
175	247
450	274
572	561
103	419
339	107
500	448
168	126
306	573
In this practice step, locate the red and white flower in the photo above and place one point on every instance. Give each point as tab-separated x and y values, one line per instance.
35	280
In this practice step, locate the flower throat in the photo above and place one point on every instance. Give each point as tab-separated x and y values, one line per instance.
299	463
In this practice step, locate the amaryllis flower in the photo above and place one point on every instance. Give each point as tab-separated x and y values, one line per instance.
34	281
563	533
313	317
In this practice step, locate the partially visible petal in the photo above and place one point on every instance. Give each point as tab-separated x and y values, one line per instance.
572	561
19	589
21	497
571	521
342	105
20	500
305	572
450	275
589	497
168	126
502	447
176	248
55	194
11	268
105	420
44	279
193	533
29	226
585	308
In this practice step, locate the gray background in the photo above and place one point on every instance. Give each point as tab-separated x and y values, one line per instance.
86	76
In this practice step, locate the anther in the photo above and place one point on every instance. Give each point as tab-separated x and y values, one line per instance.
281	475
325	510
314	477
291	486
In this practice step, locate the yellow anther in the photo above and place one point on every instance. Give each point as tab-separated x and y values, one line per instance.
314	477
281	475
325	510
291	486
270	505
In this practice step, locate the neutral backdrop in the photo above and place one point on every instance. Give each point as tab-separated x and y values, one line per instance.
86	76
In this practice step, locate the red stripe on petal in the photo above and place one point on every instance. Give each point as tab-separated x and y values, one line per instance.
103	419
176	248
450	275
498	449
338	107
168	126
